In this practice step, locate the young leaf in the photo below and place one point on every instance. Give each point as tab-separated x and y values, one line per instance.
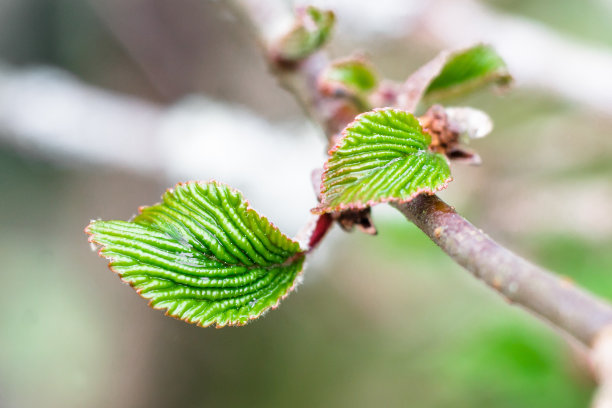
203	255
467	70
382	156
311	31
354	74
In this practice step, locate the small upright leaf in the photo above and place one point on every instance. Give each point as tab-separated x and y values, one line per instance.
469	69
354	74
382	156
311	31
203	255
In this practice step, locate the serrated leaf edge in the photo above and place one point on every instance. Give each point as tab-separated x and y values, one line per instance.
296	282
358	205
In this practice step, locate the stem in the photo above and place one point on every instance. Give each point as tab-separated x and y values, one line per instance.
519	281
557	301
327	111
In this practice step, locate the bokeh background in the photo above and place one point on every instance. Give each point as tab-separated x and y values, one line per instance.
105	104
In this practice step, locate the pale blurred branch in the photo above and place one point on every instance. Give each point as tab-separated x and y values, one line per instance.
47	112
50	112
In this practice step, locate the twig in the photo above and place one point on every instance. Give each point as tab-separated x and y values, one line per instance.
265	18
519	281
567	307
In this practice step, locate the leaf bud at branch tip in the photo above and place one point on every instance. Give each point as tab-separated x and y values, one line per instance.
311	30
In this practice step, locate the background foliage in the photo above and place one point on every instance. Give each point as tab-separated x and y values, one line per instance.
384	319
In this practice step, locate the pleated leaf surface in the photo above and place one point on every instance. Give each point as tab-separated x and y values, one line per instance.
382	156
203	255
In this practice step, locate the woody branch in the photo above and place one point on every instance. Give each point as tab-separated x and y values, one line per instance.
541	292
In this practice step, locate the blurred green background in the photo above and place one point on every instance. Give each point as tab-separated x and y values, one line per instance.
385	321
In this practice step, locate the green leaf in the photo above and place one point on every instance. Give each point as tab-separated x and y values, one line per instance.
203	255
467	70
311	31
382	156
354	74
